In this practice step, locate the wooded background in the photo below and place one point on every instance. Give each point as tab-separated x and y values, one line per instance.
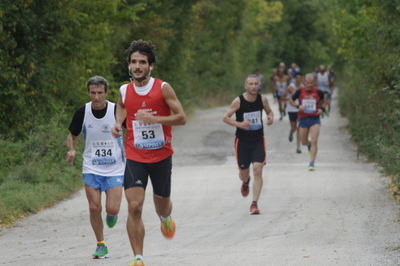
48	50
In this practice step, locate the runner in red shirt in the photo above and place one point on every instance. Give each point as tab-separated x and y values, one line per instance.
150	107
311	106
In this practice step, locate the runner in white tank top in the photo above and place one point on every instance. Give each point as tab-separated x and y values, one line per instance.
323	84
281	81
103	158
292	110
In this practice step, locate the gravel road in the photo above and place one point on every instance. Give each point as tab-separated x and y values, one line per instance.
341	214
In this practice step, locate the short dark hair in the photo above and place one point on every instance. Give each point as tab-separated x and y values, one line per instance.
298	74
143	47
97	80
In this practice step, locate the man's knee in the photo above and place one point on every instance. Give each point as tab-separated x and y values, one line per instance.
257	170
135	208
112	210
95	207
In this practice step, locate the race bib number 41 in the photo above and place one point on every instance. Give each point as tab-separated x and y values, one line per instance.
254	118
148	136
310	105
103	152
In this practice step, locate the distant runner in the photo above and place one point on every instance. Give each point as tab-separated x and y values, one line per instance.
311	105
324	85
261	80
150	107
103	158
293	111
250	141
281	82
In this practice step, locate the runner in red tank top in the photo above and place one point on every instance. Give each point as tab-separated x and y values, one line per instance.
150	107
311	105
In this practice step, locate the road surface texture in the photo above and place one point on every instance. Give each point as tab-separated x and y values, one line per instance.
341	214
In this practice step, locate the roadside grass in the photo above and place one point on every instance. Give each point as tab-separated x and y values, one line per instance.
374	116
34	174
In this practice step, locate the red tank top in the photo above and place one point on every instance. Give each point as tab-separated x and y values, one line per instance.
311	101
147	143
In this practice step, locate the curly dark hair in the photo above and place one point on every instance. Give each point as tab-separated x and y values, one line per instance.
143	47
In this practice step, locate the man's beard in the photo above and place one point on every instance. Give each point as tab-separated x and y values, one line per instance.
142	77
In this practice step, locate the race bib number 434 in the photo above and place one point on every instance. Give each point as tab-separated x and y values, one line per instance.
148	136
103	152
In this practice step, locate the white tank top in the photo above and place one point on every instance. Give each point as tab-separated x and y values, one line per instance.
103	154
323	81
281	86
289	107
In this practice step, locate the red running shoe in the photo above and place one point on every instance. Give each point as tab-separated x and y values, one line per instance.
245	188
254	209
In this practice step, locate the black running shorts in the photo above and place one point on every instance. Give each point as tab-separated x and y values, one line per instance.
248	152
137	174
292	116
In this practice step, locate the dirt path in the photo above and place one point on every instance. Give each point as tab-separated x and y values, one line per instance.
341	214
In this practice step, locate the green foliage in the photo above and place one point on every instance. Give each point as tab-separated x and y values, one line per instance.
34	173
205	48
370	98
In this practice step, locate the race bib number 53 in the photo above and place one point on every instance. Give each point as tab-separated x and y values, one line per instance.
148	136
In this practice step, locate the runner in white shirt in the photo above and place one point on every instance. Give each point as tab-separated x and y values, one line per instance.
103	158
292	110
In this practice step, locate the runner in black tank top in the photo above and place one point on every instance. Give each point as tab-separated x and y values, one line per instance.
249	142
253	112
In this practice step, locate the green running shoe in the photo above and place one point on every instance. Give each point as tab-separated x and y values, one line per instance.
311	167
101	252
168	227
111	220
137	262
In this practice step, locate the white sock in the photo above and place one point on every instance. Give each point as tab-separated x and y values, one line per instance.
140	257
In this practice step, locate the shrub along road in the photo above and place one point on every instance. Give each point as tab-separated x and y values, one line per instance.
341	214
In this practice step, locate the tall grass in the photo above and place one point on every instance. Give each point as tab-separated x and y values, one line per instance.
34	174
374	115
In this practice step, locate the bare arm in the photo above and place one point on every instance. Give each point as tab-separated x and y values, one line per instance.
274	87
292	103
71	148
286	93
235	105
119	118
268	110
177	116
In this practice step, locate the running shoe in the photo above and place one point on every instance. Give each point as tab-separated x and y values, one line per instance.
245	188
137	262
254	209
101	252
111	220
290	136
311	167
298	150
168	227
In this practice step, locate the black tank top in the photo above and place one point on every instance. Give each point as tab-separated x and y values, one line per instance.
252	112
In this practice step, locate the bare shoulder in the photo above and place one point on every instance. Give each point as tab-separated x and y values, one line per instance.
264	98
167	90
235	103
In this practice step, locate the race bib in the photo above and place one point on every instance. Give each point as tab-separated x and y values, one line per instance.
148	136
103	152
310	105
254	118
